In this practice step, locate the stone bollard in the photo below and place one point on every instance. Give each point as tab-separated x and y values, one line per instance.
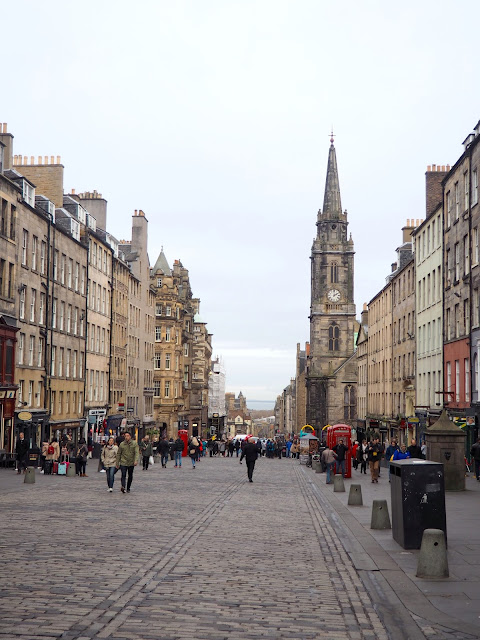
338	484
29	477
71	470
432	559
319	468
355	495
380	515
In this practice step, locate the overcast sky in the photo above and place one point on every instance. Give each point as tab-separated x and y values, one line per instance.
214	118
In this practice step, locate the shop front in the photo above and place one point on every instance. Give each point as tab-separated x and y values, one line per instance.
34	424
66	430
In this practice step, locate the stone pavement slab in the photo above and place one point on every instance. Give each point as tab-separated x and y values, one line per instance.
455	602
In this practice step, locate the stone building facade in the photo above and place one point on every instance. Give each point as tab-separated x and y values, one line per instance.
300	418
428	252
141	329
331	376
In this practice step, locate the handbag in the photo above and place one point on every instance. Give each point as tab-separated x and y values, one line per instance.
151	460
192	452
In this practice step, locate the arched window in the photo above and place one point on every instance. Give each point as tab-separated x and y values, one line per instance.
333	336
334	272
349	402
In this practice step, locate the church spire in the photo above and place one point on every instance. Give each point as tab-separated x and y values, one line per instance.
332	204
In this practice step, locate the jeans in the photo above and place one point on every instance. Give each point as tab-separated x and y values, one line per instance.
111	471
164	458
238	451
329	471
193	459
178	458
124	469
146	460
341	467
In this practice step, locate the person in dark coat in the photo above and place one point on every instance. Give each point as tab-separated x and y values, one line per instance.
163	448
21	449
172	447
250	453
414	450
340	451
475	453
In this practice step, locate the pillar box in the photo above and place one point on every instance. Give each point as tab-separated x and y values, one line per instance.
446	444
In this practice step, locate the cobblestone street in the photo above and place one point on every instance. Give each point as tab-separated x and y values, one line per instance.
188	554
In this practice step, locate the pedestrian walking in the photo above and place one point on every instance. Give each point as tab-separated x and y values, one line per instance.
374	455
401	454
288	447
146	451
163	449
21	449
193	446
221	447
128	455
250	453
237	447
414	450
231	448
390	450
475	453
354	454
179	446
362	456
81	456
109	459
340	453
328	459
172	447
270	449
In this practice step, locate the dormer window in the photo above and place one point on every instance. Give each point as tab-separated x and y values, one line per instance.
28	193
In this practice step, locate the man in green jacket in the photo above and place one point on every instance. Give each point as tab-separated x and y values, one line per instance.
127	458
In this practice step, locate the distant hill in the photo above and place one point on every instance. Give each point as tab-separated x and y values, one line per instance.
260	413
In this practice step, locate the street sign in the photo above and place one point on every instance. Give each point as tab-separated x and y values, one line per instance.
25	416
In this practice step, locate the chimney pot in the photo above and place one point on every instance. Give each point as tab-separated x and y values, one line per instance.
4	127
59	160
52	159
434	167
73	191
429	167
46	159
135	212
448	167
32	160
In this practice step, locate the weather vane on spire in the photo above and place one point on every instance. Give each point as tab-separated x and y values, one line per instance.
332	136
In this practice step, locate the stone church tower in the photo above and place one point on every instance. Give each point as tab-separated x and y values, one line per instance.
331	376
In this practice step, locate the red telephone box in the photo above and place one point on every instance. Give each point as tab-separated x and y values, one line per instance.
183	434
334	435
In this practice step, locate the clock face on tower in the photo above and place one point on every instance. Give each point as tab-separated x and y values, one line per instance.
333	295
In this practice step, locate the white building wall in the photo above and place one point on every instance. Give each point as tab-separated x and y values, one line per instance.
429	311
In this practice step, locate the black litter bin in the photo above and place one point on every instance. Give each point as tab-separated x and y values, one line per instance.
418	500
32	459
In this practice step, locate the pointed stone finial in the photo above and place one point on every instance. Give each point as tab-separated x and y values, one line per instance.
444	425
332	136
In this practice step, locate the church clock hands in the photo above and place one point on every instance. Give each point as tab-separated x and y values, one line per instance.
333	295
